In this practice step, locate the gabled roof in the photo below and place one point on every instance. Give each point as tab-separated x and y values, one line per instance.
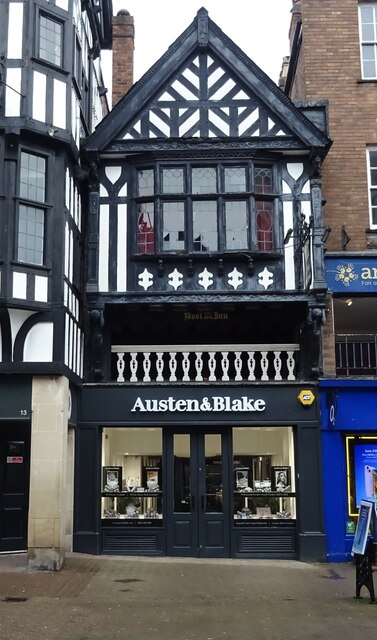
205	91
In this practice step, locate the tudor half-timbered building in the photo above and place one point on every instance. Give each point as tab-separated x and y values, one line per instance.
198	429
51	95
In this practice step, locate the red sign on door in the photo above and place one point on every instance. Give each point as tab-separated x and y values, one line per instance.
15	459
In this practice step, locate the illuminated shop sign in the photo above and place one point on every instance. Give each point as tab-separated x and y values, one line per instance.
356	275
159	403
206	404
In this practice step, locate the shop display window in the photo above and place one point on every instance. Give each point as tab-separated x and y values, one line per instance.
264	478
132	475
361	471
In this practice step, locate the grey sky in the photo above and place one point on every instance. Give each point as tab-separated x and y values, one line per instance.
259	27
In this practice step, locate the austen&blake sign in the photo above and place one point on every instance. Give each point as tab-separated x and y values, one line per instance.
169	405
351	275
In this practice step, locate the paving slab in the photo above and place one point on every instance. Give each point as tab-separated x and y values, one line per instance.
110	597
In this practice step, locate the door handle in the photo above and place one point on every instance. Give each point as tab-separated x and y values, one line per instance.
202	502
192	502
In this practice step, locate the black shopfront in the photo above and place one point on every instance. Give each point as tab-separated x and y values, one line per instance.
199	472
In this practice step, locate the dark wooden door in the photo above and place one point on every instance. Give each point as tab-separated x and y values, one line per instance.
14	487
198	510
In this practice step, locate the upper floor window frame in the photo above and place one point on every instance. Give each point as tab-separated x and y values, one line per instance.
368	40
57	61
215	208
32	205
372	186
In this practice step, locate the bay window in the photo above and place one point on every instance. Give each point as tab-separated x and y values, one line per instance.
205	209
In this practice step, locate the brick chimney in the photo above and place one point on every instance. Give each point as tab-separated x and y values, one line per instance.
123	54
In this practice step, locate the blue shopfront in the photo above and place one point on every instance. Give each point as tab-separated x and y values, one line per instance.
349	401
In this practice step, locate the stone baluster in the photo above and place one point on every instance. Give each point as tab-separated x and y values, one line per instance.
120	367
251	364
173	366
147	366
238	365
160	366
277	365
225	365
186	366
291	365
264	365
199	366
133	367
212	365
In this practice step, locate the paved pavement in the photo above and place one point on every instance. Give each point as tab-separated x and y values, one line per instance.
108	597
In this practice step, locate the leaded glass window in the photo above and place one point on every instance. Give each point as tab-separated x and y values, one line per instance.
214	208
31	217
50	40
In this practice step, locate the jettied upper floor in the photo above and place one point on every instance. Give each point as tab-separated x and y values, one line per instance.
206	125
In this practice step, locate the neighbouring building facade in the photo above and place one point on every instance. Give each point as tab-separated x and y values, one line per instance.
333	55
198	426
51	96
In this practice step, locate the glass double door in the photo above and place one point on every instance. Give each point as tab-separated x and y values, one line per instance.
198	500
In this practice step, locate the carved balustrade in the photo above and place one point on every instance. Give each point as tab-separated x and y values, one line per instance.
214	363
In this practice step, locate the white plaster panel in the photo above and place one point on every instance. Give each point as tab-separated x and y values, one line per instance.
19	285
13	93
70	268
75	117
103	275
103	191
286	187
63	4
113	173
66	250
295	169
81	354
249	120
289	265
15	30
306	187
41	289
78	221
39	96
59	117
190	122
66	339
222	91
67	187
159	123
74	347
17	317
123	191
39	343
306	209
70	359
218	122
122	248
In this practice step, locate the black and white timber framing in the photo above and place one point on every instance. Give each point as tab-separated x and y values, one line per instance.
49	99
204	105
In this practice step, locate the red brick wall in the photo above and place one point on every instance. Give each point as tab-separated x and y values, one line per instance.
123	54
329	68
